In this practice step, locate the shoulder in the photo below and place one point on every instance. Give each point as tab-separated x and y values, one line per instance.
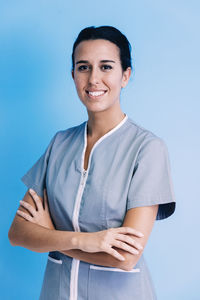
144	137
63	134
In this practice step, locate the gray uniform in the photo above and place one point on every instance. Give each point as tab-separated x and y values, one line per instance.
128	167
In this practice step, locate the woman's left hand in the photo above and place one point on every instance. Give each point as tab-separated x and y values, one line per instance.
41	216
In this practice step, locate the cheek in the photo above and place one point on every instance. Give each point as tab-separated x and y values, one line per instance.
115	86
114	81
78	83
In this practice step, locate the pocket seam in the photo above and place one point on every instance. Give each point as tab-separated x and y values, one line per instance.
136	270
57	261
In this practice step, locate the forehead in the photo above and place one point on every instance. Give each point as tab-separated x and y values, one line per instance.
96	50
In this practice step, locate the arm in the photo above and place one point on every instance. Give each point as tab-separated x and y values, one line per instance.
38	238
99	258
39	234
140	218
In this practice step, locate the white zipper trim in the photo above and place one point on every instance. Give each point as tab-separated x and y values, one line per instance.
84	175
75	262
114	269
57	261
108	133
78	200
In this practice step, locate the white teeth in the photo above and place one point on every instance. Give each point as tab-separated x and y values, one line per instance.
96	93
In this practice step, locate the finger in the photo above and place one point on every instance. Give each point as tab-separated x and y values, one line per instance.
25	216
36	199
125	247
28	207
116	254
129	240
130	230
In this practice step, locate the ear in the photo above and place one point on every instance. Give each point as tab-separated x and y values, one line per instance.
73	74
125	77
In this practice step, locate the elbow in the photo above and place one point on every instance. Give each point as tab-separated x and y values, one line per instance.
11	238
14	235
12	243
130	261
128	265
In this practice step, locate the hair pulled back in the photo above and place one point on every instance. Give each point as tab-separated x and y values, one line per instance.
111	34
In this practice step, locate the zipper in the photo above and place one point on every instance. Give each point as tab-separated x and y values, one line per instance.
78	200
84	175
75	262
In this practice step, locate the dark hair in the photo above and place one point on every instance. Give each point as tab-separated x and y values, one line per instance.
107	33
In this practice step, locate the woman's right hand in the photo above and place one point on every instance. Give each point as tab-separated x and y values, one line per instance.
103	241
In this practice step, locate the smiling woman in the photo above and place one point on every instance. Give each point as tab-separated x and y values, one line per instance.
106	181
98	75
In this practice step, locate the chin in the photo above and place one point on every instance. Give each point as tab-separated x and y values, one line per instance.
98	106
96	110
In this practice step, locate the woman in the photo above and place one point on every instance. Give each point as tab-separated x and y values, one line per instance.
96	191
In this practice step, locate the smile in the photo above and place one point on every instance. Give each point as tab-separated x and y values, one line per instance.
95	94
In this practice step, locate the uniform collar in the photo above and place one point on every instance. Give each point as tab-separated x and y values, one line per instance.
79	161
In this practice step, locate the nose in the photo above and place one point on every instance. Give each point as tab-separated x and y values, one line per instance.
94	77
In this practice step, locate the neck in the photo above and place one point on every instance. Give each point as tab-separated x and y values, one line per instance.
99	123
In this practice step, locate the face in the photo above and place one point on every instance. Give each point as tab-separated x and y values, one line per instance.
98	74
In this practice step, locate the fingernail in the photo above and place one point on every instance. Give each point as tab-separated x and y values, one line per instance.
31	190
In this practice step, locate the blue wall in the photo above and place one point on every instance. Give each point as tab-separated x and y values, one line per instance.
38	98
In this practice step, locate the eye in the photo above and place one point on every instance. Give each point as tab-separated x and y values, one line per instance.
82	68
106	67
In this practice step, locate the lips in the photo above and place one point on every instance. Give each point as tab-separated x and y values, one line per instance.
95	93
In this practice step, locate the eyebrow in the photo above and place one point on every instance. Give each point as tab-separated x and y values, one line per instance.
102	61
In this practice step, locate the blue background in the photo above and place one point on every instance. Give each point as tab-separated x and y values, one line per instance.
38	98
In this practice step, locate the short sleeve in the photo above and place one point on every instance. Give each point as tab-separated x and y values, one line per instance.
151	182
35	177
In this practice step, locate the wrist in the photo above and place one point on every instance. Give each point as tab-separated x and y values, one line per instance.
76	240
